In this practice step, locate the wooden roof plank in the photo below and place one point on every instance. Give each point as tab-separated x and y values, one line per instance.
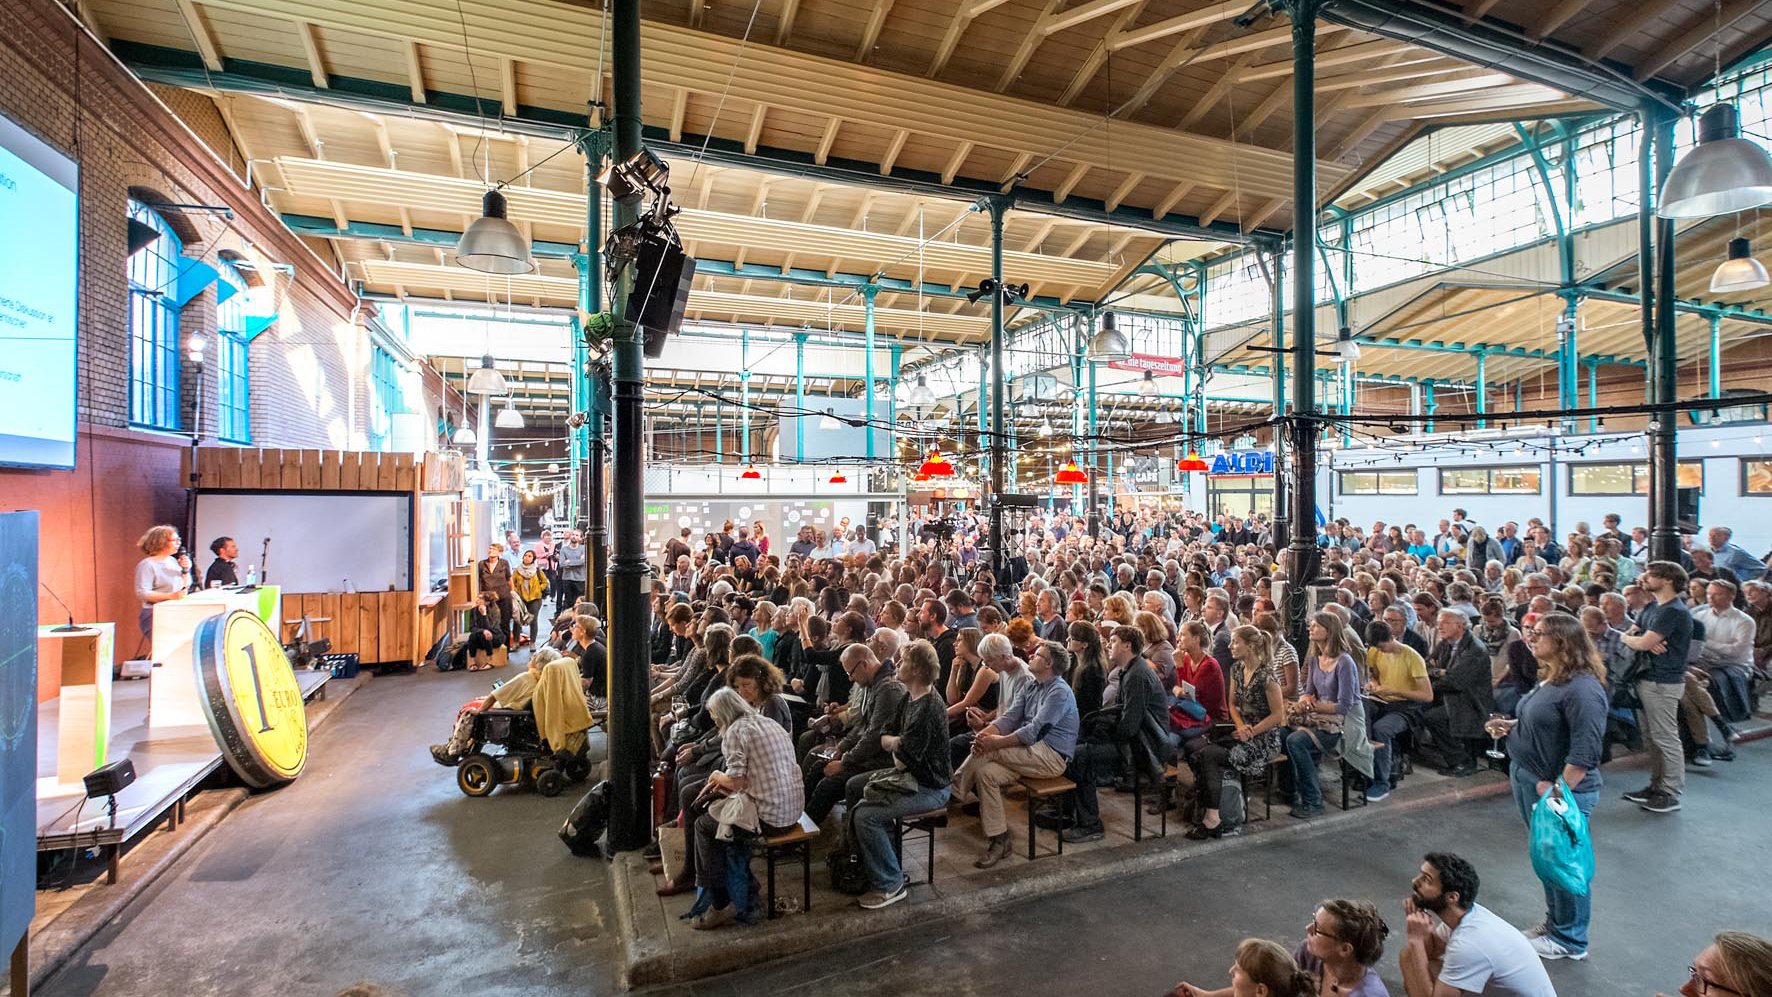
201	35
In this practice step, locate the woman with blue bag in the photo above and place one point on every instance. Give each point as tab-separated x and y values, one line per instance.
1555	748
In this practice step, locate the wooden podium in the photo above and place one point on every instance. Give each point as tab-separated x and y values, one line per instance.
83	724
172	689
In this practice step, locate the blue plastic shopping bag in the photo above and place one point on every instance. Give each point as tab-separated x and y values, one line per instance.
1562	852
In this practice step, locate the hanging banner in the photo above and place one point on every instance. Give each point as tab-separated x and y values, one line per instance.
1162	366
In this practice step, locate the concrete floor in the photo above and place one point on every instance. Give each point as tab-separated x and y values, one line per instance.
374	867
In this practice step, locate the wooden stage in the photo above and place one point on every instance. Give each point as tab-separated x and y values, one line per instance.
168	766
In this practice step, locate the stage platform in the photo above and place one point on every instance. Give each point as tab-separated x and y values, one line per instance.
169	764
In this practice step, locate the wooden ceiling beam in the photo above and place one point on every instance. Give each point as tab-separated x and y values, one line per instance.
1083	13
870	36
754	134
1182	23
1263	213
310	46
1556	17
1070	250
1645	13
955	161
1030	43
1125	188
1039	236
784	22
1219	207
1356	53
415	71
1216	93
1703	27
1168	203
826	140
679	111
201	36
1475	11
893	148
1362	131
1433	91
507	84
1070	183
1179	54
1279	95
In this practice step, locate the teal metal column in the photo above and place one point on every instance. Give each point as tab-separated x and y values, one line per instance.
1428	405
800	396
892	404
1593	396
592	446
867	295
719	434
744	395
1482	388
1716	356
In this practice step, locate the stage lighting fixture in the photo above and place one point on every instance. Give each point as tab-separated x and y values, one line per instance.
109	780
631	179
492	244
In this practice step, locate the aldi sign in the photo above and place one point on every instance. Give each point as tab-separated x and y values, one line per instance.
1249	462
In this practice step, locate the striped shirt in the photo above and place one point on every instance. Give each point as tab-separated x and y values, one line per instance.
760	752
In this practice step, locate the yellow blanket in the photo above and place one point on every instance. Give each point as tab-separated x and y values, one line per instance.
560	711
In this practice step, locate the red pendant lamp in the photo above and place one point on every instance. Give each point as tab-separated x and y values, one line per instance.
1192	462
936	466
1070	474
920	476
751	474
838	478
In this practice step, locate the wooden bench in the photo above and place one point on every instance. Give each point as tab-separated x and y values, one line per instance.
925	824
1040	789
1348	775
799	838
1171	778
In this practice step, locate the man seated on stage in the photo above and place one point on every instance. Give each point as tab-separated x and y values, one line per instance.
221	570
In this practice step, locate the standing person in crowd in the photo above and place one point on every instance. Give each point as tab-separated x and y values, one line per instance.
760	537
221	570
1662	638
571	557
921	776
1471	950
1257	708
163	574
529	583
495	578
1559	733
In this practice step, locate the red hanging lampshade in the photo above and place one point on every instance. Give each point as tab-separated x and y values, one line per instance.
920	476
839	479
751	474
1070	474
936	466
1192	462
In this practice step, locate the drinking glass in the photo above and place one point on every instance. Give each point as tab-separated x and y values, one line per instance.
1495	751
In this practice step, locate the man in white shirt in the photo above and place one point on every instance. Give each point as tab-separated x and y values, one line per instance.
1472	951
1728	632
861	544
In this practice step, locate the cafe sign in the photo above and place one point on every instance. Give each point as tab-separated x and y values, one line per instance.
1248	462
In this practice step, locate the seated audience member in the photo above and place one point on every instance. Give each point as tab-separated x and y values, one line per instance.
1137	734
1198	689
514	694
758	762
859	752
1342	944
1158	649
1035	736
486	633
1285	656
1327	719
1260	969
1521	671
920	777
1257	709
1397	692
1461	678
1009	675
1470	950
1089	667
1735	964
970	683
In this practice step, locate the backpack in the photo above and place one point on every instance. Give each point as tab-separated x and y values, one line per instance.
848	875
586	822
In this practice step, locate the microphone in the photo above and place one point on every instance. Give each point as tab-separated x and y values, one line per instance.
71	626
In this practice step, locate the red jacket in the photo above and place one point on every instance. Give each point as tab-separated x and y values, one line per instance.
1207	679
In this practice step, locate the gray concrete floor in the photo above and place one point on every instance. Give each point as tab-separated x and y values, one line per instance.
374	867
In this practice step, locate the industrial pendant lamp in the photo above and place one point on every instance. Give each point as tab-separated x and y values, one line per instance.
508	417
936	466
1109	345
1724	173
1192	462
492	244
1345	348
1147	388
920	394
464	437
1070	474
751	474
486	380
838	478
1740	272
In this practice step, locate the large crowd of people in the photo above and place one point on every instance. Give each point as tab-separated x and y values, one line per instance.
900	672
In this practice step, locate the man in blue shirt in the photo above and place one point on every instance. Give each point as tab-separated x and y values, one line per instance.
1664	632
1732	556
1034	736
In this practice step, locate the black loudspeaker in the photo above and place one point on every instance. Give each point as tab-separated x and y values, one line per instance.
1686	508
110	780
662	275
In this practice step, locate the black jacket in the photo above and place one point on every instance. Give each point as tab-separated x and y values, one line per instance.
1465	687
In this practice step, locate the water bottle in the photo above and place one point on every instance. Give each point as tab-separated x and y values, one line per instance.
251	575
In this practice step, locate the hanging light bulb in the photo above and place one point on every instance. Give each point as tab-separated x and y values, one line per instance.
1045	427
492	244
1109	344
486	380
508	417
1345	348
1147	388
1723	173
1740	272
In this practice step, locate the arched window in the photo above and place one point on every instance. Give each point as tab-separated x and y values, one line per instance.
233	387
153	324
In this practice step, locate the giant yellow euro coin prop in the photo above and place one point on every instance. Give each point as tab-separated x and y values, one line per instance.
250	696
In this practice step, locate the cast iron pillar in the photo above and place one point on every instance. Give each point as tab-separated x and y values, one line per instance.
1095	440
629	615
868	291
597	531
1664	534
999	427
1306	557
1281	530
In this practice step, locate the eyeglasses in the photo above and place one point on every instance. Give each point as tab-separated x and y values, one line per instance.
1706	986
1311	931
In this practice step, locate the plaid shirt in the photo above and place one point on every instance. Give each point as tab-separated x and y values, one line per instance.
759	751
1612	650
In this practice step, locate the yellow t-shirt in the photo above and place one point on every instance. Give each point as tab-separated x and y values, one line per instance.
1396	671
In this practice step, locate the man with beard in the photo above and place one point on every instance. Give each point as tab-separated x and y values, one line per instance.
1471	950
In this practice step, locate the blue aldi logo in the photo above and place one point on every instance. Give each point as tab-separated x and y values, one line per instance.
1252	462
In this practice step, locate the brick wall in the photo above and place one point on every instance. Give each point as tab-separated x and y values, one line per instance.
309	370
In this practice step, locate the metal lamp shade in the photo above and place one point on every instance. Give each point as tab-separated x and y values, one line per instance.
508	417
1724	173
1192	463
920	393
464	437
487	380
1109	344
1740	272
1071	474
492	244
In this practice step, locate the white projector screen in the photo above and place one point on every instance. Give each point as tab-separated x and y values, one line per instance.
39	260
319	543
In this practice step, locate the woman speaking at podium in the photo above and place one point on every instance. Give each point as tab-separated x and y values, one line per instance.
163	574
